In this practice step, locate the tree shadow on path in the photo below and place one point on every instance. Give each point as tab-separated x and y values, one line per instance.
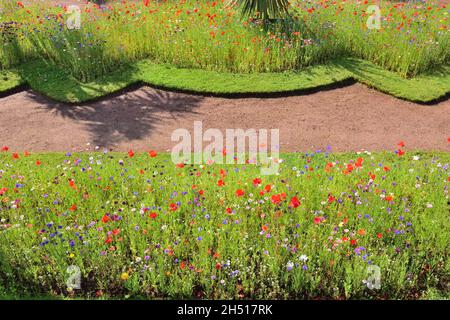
127	117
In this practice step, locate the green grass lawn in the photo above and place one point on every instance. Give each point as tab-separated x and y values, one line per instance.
10	80
54	83
141	226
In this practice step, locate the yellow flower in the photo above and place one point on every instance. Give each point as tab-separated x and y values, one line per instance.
71	255
124	276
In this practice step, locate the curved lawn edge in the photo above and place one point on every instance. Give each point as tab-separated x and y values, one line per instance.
10	82
58	85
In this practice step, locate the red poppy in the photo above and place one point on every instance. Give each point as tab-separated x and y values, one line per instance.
379	235
152	153
131	153
3	191
20	4
359	162
389	198
116	232
146	3
276	199
26	154
182	265
38	163
180	165
294	203
105	218
240	192
108	240
73	208
256	181
6	148
267	188
173	207
218	266
229	211
331	199
400	152
153	215
317	220
201	192
72	184
220	183
353	242
15	156
386	169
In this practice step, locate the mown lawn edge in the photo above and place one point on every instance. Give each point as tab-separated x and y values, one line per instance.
58	85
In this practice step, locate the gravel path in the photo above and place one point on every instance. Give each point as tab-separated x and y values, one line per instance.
348	119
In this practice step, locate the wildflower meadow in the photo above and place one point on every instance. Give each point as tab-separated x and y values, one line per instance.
137	225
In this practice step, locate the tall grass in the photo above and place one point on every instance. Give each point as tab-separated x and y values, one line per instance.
210	35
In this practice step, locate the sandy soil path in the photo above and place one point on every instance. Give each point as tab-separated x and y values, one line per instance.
348	119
